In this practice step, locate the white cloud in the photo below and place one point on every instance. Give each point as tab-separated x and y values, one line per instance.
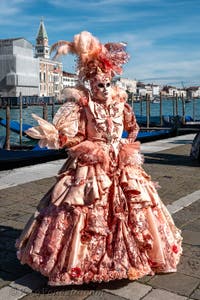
94	4
151	37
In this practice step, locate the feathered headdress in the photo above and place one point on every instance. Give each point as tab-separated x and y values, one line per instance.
93	57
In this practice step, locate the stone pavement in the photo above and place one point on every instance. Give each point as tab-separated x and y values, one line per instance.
168	162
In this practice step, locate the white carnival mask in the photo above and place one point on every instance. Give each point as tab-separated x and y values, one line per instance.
101	87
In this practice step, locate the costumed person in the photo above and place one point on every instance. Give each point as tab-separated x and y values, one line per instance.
195	149
103	219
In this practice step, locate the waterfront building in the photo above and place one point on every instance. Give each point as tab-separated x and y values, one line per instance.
51	71
149	90
181	93
155	89
19	70
193	92
127	84
169	91
69	79
141	89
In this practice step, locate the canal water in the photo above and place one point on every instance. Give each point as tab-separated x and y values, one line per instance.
192	109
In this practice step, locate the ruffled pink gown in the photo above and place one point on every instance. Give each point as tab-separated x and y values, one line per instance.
103	219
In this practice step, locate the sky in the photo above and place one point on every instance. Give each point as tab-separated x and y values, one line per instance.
162	36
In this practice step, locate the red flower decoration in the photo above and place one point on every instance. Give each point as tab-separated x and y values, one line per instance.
175	249
75	272
86	237
62	139
152	263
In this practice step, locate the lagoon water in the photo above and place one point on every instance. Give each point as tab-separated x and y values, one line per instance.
191	109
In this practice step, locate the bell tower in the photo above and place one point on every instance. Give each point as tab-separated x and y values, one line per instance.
42	47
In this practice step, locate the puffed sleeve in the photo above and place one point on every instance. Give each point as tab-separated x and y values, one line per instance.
68	126
130	124
80	135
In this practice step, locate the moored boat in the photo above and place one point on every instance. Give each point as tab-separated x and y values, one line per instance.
10	159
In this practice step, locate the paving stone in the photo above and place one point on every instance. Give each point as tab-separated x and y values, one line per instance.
13	224
15	215
6	278
2	220
191	237
47	181
145	279
22	207
186	215
175	282
3	283
3	210
62	294
193	226
196	294
10	197
132	291
8	293
163	295
189	266
192	251
36	198
5	201
104	296
34	187
169	170
24	218
29	282
17	194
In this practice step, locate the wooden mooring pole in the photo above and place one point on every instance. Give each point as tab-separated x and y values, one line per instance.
141	110
148	109
193	109
7	127
183	108
45	112
20	118
173	105
161	119
176	107
53	108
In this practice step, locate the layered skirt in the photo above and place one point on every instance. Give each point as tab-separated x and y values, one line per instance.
101	221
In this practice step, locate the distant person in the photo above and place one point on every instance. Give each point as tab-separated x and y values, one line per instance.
195	149
103	218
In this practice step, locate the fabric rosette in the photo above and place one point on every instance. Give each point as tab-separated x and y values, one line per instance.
129	154
89	153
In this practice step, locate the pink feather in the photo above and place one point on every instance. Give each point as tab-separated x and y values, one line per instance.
62	48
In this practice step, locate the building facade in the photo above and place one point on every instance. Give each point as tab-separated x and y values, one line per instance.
155	90
193	92
127	84
69	79
19	70
141	89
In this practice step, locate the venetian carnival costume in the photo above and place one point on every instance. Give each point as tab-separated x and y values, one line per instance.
103	219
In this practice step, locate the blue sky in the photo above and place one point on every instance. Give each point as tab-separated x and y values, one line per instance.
163	36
